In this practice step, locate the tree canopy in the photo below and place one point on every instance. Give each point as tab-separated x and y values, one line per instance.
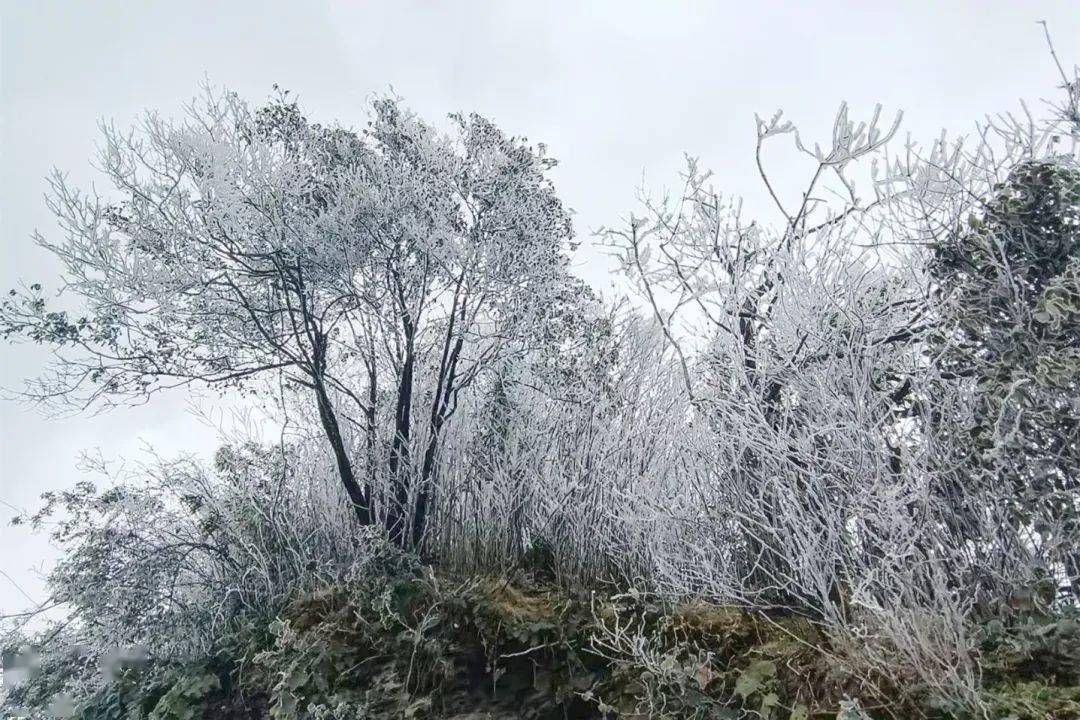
241	242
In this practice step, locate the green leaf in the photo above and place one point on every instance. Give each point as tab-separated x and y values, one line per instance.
753	677
768	704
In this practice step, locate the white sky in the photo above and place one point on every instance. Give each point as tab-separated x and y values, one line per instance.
614	89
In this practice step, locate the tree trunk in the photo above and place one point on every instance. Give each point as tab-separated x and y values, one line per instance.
357	496
425	491
399	452
371	416
439	408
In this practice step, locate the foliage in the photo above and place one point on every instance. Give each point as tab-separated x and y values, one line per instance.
831	471
388	637
1033	645
1012	324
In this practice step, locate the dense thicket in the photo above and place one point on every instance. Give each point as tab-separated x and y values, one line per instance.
855	423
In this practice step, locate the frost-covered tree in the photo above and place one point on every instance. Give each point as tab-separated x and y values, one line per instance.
829	471
778	332
242	242
207	263
1010	287
465	258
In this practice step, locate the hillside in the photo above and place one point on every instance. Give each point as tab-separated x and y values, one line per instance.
417	644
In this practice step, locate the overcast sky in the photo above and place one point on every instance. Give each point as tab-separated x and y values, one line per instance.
615	89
